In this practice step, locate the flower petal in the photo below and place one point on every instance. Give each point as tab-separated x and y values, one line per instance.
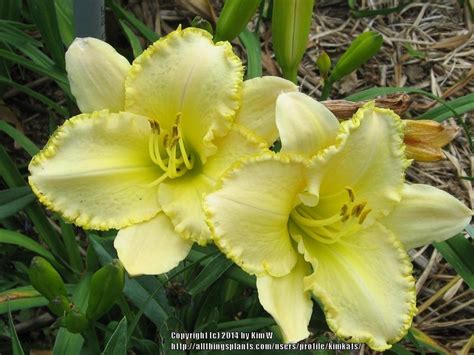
185	74
248	213
259	97
426	214
95	170
369	159
181	199
96	73
305	125
152	247
365	286
287	301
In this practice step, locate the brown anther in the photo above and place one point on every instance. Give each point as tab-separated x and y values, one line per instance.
166	140
351	193
364	215
178	118
345	218
344	210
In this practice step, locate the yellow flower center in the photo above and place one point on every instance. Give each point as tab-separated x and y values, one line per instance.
331	229
168	151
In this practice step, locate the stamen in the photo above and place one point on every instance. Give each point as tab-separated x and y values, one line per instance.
158	181
310	222
156	147
364	216
351	193
344	210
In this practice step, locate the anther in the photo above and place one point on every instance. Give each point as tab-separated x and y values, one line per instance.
351	193
344	210
363	216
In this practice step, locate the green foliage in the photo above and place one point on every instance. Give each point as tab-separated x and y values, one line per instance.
234	18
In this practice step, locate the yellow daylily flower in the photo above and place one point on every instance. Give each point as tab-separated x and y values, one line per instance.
154	137
331	216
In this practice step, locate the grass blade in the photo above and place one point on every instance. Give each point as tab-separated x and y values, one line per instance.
43	99
13	200
64	14
16	346
21	298
117	344
10	9
132	38
43	13
460	105
123	14
216	267
254	56
13	178
19	137
458	252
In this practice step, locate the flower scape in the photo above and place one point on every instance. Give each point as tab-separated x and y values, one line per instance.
175	149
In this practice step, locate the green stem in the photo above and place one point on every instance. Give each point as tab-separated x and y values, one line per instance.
291	74
326	90
91	340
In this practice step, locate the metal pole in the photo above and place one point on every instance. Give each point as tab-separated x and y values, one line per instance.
89	19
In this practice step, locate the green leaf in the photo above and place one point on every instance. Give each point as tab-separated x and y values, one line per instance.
117	344
43	99
10	9
216	267
155	310
13	200
67	342
123	14
19	137
15	238
16	346
461	105
375	12
251	43
246	325
458	252
43	13
21	298
132	38
64	13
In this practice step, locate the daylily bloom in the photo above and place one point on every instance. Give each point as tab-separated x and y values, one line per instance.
331	216
154	136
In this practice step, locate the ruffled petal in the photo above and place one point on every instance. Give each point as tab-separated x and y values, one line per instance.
95	170
96	73
287	301
367	160
186	75
152	247
259	97
365	286
248	213
426	214
305	125
181	199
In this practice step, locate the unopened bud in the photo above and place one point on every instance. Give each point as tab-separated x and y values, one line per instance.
425	138
45	279
105	288
201	23
234	18
324	64
291	23
364	47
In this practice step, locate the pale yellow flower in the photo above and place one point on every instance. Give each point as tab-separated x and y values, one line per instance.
332	217
153	138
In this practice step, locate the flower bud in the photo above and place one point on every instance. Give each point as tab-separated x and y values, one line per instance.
75	321
234	17
45	279
364	47
425	138
291	23
324	64
199	22
59	305
106	286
